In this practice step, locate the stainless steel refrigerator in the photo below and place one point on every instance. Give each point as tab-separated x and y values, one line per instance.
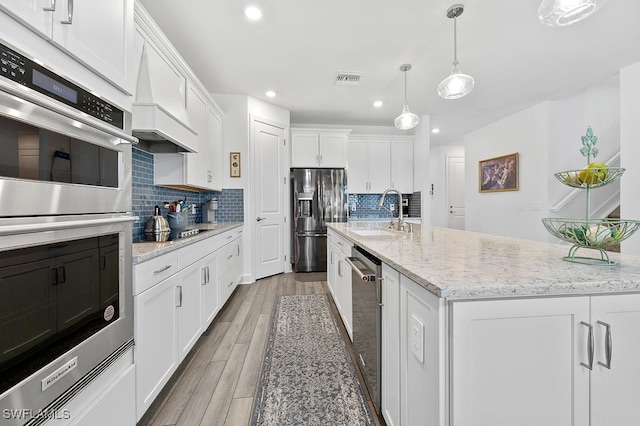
318	196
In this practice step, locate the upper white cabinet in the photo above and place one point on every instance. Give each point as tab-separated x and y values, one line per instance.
318	147
201	170
377	163
402	165
98	33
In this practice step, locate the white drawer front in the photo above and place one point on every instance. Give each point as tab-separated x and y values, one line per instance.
149	273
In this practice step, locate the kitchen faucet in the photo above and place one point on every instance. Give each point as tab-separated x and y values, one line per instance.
401	224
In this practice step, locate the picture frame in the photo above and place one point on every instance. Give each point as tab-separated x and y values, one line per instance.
498	174
235	164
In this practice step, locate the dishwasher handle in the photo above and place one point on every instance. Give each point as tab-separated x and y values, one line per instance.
365	274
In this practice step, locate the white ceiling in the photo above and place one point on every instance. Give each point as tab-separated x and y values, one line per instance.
299	45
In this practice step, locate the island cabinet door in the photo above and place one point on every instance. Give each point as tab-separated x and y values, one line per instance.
518	362
615	379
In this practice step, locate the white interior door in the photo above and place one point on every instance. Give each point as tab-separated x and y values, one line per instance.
268	199
455	191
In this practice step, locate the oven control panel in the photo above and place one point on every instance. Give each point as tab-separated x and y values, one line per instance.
22	70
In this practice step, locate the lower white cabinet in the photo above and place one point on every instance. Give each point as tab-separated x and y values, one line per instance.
546	361
390	346
339	277
170	314
106	401
189	307
210	296
156	337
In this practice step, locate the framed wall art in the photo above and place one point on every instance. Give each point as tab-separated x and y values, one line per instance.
234	164
498	174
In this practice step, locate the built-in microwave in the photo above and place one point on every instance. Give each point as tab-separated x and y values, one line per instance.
66	309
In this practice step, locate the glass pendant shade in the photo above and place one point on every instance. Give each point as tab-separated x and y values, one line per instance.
456	85
407	120
558	13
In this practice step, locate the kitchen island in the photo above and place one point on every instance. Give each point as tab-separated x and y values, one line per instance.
479	329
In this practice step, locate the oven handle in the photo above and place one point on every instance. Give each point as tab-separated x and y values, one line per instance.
71	224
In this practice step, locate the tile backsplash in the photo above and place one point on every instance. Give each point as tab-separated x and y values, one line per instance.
366	205
146	196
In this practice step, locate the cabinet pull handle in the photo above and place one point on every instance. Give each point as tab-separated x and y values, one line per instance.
179	290
332	262
229	257
589	347
339	268
159	271
51	8
238	250
203	279
54	276
608	345
69	20
208	275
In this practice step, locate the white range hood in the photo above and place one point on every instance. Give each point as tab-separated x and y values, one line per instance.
160	119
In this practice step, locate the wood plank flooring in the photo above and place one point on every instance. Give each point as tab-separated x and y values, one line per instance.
216	383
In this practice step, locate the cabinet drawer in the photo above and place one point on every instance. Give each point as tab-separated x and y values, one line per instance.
149	273
343	244
229	256
194	252
229	281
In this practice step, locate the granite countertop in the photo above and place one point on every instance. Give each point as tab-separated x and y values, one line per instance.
459	265
148	250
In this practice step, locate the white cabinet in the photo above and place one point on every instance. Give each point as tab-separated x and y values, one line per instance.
402	165
98	33
369	165
378	163
339	275
512	357
318	147
390	380
201	170
113	387
230	266
189	316
210	296
615	391
421	355
156	336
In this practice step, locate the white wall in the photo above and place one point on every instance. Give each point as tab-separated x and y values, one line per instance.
511	213
422	166
547	137
439	200
238	109
630	151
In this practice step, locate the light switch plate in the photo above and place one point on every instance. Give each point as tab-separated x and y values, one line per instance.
416	338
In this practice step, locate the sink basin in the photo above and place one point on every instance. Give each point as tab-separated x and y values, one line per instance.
372	232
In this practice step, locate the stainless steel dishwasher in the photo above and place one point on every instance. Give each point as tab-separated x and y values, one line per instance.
367	316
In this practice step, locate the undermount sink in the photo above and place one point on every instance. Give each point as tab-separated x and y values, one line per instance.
372	232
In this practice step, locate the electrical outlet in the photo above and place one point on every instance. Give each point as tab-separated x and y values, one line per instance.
416	338
392	207
353	206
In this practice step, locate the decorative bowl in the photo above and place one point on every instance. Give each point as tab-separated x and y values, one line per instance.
589	178
596	233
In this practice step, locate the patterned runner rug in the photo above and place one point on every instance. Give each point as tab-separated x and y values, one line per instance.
307	376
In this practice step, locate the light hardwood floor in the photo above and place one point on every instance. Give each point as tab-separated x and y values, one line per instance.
216	383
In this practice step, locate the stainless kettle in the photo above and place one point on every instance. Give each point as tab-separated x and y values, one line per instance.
157	227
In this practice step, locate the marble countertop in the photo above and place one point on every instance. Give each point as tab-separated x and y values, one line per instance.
459	265
148	250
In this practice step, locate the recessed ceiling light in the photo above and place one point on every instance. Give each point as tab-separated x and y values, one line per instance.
270	93
377	104
435	130
253	13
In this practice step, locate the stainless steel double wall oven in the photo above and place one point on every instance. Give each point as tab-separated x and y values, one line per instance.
65	238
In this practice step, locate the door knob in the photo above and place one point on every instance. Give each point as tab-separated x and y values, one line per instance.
260	218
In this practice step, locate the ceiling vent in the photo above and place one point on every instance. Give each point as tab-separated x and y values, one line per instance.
348	78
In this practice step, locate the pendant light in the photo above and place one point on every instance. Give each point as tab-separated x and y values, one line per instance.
558	13
406	120
457	84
